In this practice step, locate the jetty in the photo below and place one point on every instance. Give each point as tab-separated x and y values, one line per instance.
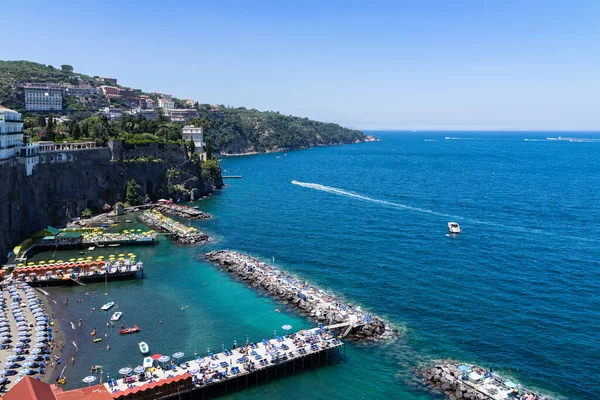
312	301
230	370
471	382
181	233
78	272
177	210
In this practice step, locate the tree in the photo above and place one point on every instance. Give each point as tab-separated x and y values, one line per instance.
66	68
87	213
75	132
50	129
209	150
132	194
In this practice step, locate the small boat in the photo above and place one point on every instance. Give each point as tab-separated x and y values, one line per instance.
129	330
116	316
97	339
107	306
114	245
144	349
91	248
128	221
453	227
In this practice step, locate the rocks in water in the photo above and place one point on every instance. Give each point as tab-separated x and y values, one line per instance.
311	301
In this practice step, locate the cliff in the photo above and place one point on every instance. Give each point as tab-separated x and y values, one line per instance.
58	191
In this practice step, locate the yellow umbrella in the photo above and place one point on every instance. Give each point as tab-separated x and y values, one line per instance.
20	265
30	263
125	231
71	259
121	255
80	259
42	262
121	259
101	257
139	230
60	261
51	261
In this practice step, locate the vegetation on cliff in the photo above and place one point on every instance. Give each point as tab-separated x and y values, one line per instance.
227	130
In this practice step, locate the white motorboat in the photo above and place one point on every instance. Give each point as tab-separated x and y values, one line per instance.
107	306
116	316
144	349
92	248
453	227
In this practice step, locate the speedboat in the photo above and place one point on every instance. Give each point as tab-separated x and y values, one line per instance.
144	349
453	227
116	316
91	248
107	306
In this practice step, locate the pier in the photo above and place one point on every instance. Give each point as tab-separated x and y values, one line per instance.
192	213
315	303
228	371
181	233
78	272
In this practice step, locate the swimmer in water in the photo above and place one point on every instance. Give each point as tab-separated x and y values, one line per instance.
277	310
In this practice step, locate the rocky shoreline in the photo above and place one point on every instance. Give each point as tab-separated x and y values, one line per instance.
470	382
181	233
309	300
182	211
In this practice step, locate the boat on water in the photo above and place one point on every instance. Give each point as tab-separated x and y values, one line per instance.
453	227
144	349
116	316
129	330
114	245
92	248
107	306
97	339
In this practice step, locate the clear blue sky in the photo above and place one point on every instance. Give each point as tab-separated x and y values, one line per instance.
369	64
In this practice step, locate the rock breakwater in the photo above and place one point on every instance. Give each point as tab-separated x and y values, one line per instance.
471	382
181	233
311	301
182	211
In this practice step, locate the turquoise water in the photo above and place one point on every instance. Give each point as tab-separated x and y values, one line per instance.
518	289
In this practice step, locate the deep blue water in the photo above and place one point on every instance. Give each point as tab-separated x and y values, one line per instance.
518	289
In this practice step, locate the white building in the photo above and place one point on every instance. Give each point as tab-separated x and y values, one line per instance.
42	97
111	113
190	132
11	140
166	102
11	133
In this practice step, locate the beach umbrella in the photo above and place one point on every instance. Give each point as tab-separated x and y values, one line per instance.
24	371
39	345
89	379
10	359
286	327
214	365
42	262
30	263
28	364
139	369
194	371
3	371
72	259
178	355
510	384
31	358
52	261
60	261
121	255
36	351
125	370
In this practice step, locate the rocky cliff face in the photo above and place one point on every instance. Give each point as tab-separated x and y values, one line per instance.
56	192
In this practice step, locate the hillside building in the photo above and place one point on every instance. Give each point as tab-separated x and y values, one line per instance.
11	133
181	114
165	101
42	97
195	134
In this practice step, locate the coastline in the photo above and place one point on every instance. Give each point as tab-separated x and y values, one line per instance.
270	151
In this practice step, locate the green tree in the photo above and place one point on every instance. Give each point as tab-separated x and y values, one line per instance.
66	68
132	194
87	213
50	129
75	131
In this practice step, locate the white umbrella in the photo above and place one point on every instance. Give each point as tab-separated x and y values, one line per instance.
139	369
89	379
125	371
286	327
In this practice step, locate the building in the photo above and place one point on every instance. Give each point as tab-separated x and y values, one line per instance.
165	101
189	103
111	113
150	114
83	90
111	92
181	114
11	133
195	134
42	97
146	103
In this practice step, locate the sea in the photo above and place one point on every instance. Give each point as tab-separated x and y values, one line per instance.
517	290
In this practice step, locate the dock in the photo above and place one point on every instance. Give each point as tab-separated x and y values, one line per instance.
181	233
177	210
319	305
78	273
231	370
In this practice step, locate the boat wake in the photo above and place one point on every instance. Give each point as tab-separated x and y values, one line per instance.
385	203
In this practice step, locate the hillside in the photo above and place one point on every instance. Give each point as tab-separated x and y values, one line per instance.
227	130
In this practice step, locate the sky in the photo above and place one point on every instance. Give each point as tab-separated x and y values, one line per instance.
530	65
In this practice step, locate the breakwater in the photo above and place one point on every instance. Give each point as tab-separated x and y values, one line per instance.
181	233
311	301
182	211
470	382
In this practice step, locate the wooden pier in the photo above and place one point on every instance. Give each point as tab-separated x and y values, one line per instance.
235	370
